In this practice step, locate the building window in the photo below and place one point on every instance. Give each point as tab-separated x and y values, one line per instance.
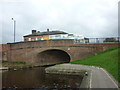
32	39
36	38
39	38
25	39
29	39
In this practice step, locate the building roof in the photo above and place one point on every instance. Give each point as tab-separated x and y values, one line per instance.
46	33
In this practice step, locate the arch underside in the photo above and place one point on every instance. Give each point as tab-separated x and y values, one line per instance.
53	56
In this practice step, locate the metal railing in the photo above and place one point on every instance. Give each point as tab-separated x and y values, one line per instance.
98	40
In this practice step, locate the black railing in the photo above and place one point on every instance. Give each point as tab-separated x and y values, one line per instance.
98	40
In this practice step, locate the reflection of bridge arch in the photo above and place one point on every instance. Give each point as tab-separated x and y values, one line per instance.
53	56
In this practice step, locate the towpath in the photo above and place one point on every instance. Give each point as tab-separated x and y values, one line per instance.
98	77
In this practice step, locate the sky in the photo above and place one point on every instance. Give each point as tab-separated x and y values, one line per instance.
90	18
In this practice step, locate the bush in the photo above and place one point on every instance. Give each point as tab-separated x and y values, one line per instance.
18	62
110	40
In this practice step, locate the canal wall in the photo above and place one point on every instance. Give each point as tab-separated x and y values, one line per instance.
96	77
71	69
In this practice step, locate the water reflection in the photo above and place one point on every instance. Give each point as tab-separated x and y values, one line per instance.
36	78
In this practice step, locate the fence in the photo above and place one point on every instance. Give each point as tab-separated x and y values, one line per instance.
98	40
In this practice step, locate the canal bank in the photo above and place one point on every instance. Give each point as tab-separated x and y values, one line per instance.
67	69
17	66
94	78
2	67
97	77
37	78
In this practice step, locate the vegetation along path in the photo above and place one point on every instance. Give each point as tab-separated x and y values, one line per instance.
108	60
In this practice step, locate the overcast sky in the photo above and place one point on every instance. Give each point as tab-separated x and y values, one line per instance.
90	18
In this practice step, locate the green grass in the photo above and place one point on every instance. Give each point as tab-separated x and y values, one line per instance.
13	63
107	60
19	62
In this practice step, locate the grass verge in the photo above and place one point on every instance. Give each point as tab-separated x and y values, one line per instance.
107	60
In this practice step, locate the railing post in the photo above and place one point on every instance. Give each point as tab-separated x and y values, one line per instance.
118	39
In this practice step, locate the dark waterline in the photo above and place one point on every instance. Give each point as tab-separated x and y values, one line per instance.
37	78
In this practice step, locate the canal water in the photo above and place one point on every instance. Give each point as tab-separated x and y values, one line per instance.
37	78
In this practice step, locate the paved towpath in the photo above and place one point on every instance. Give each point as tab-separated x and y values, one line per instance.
99	78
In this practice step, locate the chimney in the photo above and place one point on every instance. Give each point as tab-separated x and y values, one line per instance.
33	31
47	30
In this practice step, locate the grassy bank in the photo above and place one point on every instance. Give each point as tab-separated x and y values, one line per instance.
16	65
107	60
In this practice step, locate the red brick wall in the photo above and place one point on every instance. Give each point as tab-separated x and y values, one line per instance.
28	51
4	49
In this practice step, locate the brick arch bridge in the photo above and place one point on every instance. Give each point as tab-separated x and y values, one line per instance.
53	56
51	51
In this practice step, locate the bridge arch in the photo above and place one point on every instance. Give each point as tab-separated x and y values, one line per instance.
53	56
